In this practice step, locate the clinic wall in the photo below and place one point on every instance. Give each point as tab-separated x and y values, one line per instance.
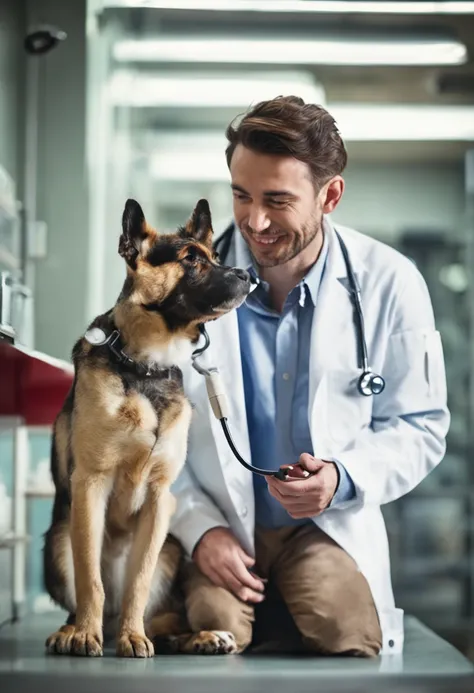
11	81
61	277
383	200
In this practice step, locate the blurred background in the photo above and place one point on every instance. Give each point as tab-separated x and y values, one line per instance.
102	100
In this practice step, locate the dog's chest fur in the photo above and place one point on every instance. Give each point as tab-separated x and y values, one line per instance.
136	424
159	392
156	417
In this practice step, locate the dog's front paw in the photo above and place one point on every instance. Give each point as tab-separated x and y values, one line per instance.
70	640
134	645
212	642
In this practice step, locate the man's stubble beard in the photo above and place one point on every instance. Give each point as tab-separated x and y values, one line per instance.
299	244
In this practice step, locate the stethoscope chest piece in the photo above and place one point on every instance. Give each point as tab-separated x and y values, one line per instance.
370	384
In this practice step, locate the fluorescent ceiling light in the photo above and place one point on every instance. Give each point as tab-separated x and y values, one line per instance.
357	123
199	156
306	6
423	123
129	88
292	51
205	166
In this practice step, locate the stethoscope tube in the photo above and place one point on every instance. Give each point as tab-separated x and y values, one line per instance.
369	383
219	408
279	474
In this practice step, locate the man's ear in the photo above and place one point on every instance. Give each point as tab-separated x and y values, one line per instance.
332	195
134	232
199	226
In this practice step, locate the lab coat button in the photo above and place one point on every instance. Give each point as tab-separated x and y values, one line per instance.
243	511
391	643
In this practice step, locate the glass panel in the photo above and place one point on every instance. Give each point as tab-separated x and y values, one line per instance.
9	224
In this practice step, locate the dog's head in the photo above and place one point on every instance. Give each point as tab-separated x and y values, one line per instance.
177	275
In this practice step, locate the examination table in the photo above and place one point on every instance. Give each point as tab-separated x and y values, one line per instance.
428	665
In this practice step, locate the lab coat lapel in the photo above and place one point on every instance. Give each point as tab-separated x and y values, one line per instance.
333	334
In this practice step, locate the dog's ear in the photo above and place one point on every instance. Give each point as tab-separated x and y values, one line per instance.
199	226
134	232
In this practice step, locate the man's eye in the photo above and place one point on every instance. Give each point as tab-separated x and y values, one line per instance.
278	203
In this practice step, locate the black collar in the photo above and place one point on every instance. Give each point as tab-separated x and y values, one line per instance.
115	345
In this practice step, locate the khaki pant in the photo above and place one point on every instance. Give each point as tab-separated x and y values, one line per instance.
317	599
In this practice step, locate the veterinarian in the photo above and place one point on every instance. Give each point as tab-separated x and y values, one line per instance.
289	357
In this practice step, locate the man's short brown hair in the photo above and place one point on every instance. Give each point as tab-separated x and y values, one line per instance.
288	126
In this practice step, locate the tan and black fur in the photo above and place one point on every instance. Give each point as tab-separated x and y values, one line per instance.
120	441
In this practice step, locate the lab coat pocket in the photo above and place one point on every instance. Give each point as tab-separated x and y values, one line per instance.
348	412
415	378
434	363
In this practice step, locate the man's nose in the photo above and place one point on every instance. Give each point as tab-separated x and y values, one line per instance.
258	220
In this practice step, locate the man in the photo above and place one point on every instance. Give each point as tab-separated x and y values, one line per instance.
290	360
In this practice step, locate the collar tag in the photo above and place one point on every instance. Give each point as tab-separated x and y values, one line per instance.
96	336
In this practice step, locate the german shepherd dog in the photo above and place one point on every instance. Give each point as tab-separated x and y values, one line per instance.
120	441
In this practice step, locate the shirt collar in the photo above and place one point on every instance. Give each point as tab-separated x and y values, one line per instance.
313	279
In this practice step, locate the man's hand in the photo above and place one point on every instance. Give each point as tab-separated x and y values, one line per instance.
220	556
304	496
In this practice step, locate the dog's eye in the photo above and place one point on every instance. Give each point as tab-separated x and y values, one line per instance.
192	255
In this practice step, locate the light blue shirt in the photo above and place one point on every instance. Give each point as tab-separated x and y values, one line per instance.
275	362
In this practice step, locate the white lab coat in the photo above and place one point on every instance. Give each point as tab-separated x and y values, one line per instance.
388	443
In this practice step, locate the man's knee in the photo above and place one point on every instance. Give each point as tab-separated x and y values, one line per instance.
334	635
328	597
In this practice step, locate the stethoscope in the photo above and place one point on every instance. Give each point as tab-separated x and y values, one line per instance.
369	383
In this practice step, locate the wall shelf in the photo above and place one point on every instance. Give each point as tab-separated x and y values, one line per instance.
8	541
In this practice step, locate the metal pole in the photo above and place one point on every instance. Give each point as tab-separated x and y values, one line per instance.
31	166
20	472
469	237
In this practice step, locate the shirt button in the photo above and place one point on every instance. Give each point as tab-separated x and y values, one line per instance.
286	376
